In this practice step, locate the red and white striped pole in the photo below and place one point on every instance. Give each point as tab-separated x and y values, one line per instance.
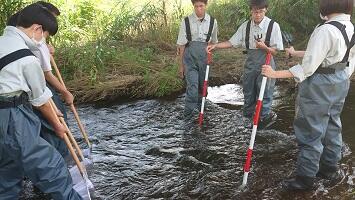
259	105
204	91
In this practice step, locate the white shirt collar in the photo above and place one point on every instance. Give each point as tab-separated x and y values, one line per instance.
207	17
262	23
13	31
341	17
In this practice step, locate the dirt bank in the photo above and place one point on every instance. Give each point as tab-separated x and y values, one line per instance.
227	68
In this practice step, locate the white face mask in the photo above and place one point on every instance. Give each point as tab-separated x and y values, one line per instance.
38	43
325	18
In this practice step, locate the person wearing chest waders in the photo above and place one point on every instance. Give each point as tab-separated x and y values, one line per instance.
196	31
300	53
323	84
22	86
42	52
258	36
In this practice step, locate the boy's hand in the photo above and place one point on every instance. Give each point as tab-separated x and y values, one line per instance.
290	51
210	47
58	113
68	98
182	71
261	45
268	71
60	130
178	51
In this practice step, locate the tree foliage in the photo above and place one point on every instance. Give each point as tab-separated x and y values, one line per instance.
7	8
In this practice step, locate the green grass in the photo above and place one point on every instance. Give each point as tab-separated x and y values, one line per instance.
101	39
157	67
165	82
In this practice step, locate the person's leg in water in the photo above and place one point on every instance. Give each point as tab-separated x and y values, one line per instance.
191	61
24	153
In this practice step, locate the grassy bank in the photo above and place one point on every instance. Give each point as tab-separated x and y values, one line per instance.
139	70
109	49
106	72
126	49
142	70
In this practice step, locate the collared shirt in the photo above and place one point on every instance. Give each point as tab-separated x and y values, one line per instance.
238	39
44	57
24	74
199	30
325	47
42	53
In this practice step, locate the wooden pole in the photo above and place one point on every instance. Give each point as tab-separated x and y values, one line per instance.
69	145
72	107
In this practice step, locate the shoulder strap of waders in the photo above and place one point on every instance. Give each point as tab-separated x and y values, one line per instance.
268	33
349	44
12	57
188	29
247	35
210	29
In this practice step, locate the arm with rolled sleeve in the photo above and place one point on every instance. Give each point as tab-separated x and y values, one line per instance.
45	58
182	40
317	49
238	39
40	95
34	77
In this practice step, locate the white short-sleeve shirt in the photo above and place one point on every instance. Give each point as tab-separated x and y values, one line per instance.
199	30
238	39
326	46
44	57
24	74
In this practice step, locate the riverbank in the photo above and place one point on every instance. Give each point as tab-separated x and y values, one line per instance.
151	72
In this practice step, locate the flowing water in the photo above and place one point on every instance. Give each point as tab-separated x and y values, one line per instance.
144	150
